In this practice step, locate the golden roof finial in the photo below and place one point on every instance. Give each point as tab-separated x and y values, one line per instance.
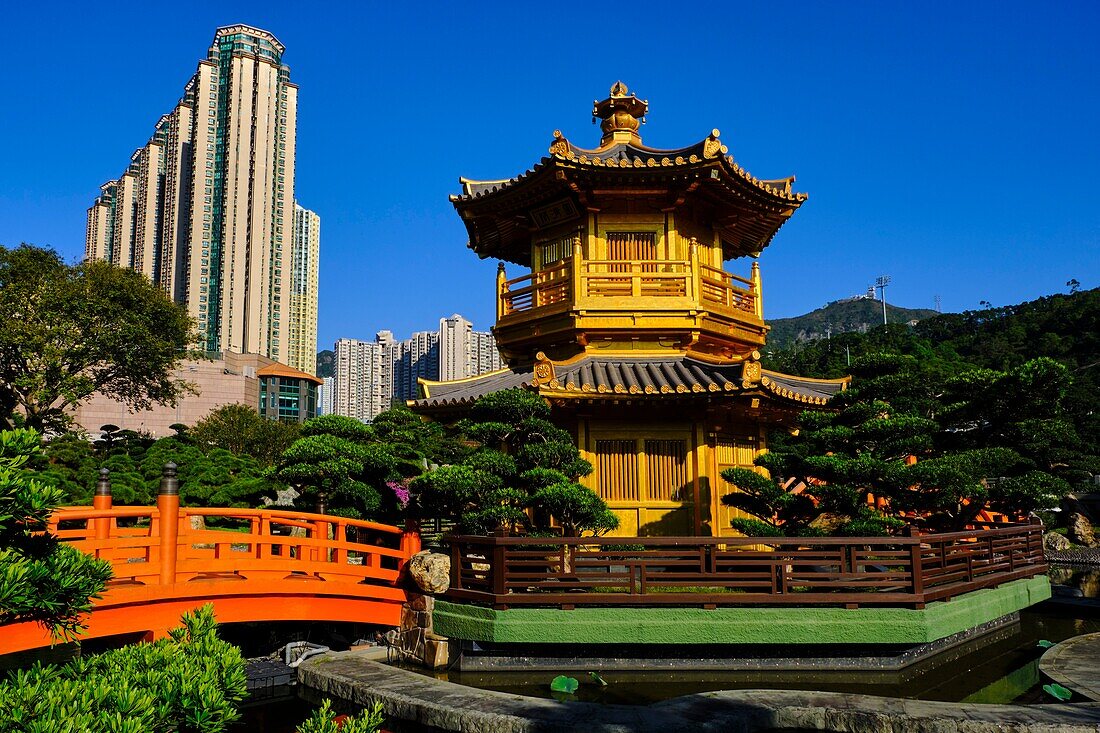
621	115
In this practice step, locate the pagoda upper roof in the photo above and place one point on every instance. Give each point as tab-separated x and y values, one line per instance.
746	211
627	377
631	156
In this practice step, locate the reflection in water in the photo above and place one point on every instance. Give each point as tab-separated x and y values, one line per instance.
1001	668
1087	580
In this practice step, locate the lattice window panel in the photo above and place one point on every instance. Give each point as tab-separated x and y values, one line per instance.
630	246
556	250
666	469
617	464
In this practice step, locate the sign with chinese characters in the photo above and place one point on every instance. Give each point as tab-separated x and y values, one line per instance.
555	213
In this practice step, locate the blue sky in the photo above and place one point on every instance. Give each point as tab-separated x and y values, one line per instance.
953	146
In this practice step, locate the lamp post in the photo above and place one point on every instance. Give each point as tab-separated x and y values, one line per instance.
881	283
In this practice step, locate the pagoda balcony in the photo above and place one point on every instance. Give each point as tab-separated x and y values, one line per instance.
616	296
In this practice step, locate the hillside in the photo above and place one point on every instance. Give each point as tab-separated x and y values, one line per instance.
326	363
841	316
1063	327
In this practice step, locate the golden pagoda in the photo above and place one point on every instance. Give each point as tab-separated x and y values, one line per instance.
627	323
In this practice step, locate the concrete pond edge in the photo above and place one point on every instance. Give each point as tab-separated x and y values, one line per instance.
352	677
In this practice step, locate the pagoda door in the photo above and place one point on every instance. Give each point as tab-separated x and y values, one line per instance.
647	481
729	451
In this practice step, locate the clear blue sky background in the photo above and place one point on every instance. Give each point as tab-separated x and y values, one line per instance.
954	146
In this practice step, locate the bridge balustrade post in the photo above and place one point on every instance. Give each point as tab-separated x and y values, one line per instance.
102	501
168	507
410	540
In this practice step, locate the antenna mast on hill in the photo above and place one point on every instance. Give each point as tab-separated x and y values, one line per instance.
939	302
881	283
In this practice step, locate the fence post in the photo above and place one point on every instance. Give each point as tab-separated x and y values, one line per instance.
497	569
102	501
168	508
410	540
916	565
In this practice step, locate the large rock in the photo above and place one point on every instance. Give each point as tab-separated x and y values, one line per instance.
430	571
1080	530
1054	542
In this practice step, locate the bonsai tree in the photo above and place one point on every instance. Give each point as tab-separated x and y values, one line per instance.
336	460
926	443
522	462
41	579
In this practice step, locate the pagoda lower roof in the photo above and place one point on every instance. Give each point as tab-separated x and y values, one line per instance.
633	377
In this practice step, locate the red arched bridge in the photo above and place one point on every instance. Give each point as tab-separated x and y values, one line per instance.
252	564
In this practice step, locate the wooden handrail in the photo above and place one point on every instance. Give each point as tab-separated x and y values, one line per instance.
908	570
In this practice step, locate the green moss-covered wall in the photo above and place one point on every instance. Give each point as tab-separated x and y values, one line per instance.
738	625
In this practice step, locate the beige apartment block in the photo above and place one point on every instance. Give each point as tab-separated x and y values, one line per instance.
301	312
204	208
231	379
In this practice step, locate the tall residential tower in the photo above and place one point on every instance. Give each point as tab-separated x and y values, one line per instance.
205	207
301	312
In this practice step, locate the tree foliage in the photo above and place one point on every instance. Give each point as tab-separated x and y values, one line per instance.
71	331
522	462
338	459
191	681
208	477
241	430
41	579
937	449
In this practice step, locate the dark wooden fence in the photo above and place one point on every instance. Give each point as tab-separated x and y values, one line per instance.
711	571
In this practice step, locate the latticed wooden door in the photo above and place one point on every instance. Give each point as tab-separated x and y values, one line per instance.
630	246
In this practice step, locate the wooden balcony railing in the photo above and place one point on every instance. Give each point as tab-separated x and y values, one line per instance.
594	281
725	289
546	287
711	571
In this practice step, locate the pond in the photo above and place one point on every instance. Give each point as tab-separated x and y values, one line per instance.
1002	667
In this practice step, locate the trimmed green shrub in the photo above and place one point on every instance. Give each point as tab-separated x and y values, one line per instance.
192	681
323	721
41	579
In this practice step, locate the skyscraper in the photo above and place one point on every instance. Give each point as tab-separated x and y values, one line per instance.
357	379
325	396
455	342
301	313
203	208
484	356
414	358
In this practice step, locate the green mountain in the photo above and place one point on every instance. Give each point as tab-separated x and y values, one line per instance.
326	363
1065	328
840	316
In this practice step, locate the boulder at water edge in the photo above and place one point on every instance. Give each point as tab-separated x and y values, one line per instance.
430	571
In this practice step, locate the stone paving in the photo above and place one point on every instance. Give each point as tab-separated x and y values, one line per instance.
1075	663
408	696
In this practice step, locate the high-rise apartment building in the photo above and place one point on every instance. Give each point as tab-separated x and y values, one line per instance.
390	356
415	358
301	311
357	379
484	355
371	377
324	396
204	208
456	336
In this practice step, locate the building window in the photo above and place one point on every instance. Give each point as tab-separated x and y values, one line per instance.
617	464
629	246
666	469
556	250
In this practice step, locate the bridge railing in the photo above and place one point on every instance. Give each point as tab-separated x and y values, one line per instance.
169	544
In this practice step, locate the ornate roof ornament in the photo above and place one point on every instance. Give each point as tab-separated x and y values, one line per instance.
621	115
